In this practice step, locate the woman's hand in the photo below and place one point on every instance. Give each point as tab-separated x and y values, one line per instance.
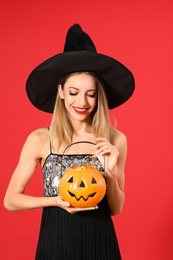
115	157
110	152
66	206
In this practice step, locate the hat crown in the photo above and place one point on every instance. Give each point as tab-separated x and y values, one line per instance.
78	40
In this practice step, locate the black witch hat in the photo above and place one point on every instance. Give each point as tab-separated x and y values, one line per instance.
79	55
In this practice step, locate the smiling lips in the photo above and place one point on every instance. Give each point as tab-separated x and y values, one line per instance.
80	110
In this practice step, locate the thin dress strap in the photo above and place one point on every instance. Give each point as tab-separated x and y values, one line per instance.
50	140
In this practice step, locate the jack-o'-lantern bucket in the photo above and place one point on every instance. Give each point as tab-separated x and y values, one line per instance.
82	185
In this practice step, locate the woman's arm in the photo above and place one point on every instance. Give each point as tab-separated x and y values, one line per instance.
31	155
115	158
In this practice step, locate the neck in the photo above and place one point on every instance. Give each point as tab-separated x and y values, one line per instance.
82	131
81	126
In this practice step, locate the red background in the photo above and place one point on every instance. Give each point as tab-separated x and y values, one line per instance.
139	34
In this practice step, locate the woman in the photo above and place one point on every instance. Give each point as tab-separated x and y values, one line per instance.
87	83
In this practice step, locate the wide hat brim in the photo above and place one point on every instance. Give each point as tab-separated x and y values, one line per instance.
42	83
79	55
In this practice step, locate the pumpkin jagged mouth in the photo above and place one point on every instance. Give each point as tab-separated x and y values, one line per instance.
81	197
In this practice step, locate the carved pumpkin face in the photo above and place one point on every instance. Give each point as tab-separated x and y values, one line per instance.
82	186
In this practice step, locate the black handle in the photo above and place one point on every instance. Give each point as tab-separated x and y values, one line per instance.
77	143
88	142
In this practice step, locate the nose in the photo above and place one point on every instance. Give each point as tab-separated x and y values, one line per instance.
82	100
82	184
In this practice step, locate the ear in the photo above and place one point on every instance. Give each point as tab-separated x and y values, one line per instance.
60	91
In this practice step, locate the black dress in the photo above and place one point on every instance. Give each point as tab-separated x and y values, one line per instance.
87	235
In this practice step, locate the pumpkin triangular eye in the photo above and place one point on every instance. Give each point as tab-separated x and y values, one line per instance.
70	180
93	181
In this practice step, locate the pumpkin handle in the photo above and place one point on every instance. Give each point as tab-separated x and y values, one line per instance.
77	143
88	142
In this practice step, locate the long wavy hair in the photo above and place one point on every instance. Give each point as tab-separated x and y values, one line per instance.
61	131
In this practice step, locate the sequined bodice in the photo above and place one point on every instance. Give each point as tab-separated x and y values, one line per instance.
56	164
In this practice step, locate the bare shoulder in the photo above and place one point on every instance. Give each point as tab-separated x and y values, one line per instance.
37	141
118	138
39	134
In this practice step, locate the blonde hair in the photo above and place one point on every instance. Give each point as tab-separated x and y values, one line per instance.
61	130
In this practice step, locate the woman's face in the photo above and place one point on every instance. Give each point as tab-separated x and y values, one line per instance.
80	96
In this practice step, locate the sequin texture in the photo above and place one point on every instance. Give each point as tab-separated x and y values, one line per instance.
56	164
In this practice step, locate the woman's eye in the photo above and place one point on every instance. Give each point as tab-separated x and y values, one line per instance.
92	95
89	95
72	93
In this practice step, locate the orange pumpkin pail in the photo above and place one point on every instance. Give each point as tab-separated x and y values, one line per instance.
83	186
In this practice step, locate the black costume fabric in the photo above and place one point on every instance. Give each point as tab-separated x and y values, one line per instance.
87	235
